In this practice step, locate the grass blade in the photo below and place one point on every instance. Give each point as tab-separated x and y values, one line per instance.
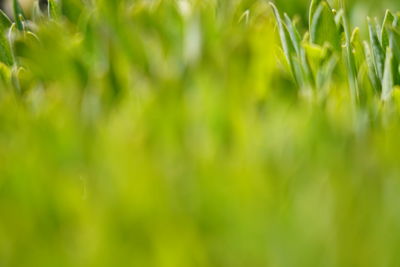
293	34
377	51
18	15
5	51
371	68
387	22
323	27
283	34
350	62
5	21
54	9
388	82
313	7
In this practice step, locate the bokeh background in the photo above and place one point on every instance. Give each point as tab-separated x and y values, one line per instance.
171	135
373	6
358	10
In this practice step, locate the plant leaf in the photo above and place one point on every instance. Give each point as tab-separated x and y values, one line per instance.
377	51
313	7
371	67
387	22
5	21
293	34
357	48
18	15
5	50
54	9
388	82
323	27
284	36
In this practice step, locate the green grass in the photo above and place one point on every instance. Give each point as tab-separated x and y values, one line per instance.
185	133
328	46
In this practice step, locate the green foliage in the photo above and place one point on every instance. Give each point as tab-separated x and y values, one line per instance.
180	133
18	15
328	30
54	9
5	21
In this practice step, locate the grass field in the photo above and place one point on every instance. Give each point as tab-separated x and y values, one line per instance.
200	133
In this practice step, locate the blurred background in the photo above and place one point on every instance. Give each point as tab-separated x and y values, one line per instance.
169	136
292	7
357	10
371	7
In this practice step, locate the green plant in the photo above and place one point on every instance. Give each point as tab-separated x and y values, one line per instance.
328	47
164	133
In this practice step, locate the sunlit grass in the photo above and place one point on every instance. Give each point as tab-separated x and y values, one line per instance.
163	133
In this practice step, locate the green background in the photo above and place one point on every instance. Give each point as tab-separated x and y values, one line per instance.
134	134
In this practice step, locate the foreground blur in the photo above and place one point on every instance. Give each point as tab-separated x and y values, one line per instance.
143	134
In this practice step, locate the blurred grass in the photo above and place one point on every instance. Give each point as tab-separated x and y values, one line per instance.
359	8
160	133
